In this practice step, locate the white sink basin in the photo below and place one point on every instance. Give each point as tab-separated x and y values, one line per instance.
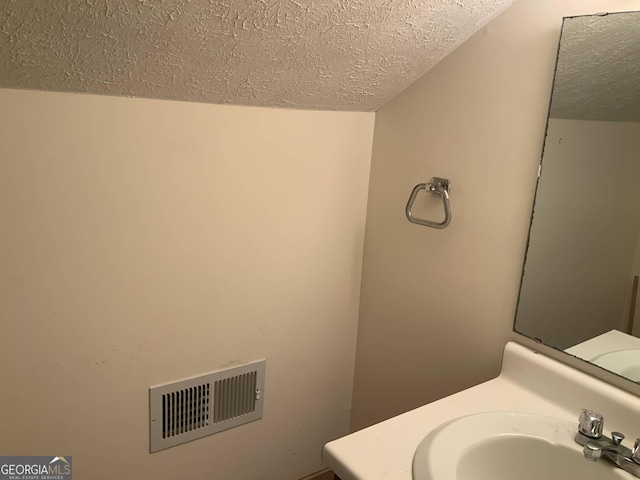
507	446
622	362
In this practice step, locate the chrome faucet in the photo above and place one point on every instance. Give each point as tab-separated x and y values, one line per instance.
597	445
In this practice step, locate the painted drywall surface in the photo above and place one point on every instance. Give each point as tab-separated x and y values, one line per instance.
635	270
437	306
333	55
583	238
147	241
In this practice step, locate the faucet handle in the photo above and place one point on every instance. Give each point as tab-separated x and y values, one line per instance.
635	451
591	423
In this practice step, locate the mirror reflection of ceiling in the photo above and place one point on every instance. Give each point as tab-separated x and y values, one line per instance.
311	54
598	75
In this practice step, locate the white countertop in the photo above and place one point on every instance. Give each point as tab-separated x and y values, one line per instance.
529	382
611	341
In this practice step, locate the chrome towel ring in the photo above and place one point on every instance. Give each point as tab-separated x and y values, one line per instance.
440	187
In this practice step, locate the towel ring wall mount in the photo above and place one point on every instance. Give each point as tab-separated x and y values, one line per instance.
439	187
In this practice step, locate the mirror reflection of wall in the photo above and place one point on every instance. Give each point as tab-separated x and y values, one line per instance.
584	244
584	234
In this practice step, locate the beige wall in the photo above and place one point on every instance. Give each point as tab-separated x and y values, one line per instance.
635	270
437	306
578	276
146	241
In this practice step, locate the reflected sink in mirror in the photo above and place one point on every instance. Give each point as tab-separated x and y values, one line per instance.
623	362
615	351
507	446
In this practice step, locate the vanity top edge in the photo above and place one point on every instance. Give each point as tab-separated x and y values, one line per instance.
562	383
385	450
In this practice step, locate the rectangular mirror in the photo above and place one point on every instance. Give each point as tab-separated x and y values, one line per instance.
580	276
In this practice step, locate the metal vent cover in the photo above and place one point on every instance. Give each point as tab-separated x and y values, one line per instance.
196	407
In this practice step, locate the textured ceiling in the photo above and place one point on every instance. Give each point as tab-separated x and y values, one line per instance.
311	54
598	74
